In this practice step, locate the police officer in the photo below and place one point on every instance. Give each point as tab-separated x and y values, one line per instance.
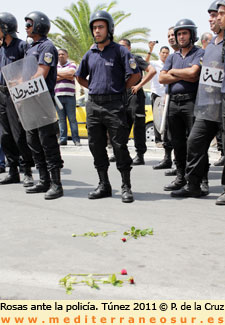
208	112
167	145
221	22
136	105
107	64
13	138
181	72
43	141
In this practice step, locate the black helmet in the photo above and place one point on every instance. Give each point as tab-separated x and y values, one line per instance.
8	24
103	15
213	6
41	23
186	24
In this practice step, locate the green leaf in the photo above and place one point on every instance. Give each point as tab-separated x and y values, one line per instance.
69	290
136	233
118	283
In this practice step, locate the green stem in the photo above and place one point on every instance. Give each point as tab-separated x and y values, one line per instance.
97	234
86	274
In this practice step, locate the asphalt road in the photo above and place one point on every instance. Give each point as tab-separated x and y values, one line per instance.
183	259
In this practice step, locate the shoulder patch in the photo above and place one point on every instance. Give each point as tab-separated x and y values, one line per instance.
132	63
48	58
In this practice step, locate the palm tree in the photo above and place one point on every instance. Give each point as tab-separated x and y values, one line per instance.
76	37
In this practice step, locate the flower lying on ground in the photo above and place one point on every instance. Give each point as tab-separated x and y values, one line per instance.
131	280
123	272
135	233
93	280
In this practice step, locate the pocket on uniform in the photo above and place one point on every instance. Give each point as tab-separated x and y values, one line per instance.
89	108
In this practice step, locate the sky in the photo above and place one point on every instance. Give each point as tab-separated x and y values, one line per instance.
156	15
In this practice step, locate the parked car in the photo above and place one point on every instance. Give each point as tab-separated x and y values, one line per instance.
81	117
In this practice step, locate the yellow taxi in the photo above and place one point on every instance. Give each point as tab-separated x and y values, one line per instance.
81	117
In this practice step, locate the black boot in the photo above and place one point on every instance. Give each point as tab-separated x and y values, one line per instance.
178	183
166	162
127	195
12	177
138	159
44	183
104	188
28	179
55	189
221	199
190	190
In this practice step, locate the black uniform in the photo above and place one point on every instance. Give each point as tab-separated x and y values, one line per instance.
43	141
207	123
181	110
136	111
107	70
13	139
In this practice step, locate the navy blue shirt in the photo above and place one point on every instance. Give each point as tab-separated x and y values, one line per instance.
8	54
46	54
176	61
107	69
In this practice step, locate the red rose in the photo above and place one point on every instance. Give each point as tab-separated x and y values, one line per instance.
124	239
123	272
131	280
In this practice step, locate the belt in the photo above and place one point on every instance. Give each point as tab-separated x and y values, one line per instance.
105	98
4	89
182	97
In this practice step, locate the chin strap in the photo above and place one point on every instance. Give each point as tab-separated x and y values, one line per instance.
105	39
3	41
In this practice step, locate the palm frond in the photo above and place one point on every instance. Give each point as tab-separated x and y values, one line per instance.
76	36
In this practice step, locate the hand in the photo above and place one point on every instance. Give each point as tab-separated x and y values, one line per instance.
151	45
135	89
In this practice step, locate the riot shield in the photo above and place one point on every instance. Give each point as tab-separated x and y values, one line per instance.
158	109
30	95
164	116
209	99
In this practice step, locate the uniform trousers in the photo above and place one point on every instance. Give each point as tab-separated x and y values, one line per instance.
136	116
199	140
13	141
219	140
44	146
2	155
103	116
180	119
223	135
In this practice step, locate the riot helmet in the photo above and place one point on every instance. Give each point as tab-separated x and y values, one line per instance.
186	24
41	23
8	24
220	3
103	15
213	6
